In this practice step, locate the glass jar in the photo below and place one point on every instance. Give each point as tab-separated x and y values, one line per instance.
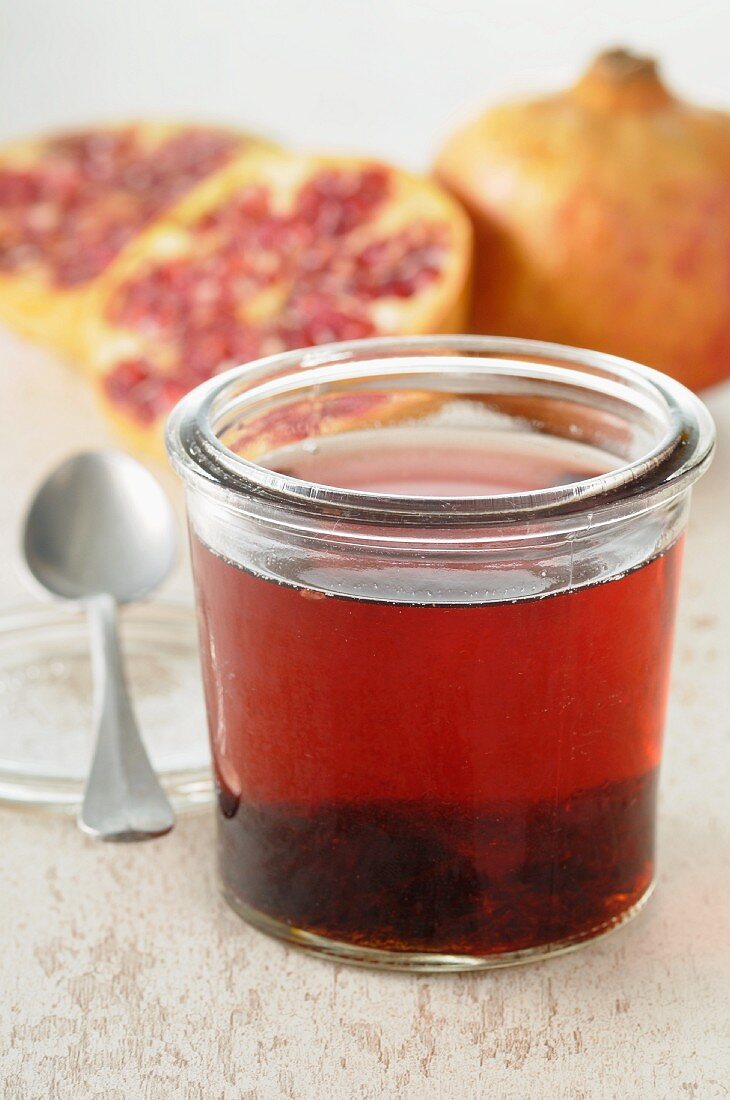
436	582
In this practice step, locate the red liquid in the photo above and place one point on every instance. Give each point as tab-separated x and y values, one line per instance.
467	779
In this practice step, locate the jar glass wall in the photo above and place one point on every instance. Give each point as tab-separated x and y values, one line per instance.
436	582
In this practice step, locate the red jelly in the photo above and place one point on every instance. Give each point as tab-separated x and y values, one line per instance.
455	779
436	651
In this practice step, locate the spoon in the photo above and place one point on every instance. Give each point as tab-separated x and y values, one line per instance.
100	529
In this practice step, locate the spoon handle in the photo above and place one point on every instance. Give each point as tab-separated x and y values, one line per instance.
123	799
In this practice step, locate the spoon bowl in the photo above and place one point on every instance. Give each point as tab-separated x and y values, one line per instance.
100	523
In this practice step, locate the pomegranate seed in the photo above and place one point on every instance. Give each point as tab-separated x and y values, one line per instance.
334	202
126	375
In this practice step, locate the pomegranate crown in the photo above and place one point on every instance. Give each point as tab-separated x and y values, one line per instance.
621	79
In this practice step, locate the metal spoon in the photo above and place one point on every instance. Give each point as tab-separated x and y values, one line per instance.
100	529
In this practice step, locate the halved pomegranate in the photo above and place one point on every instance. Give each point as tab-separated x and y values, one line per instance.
274	252
70	202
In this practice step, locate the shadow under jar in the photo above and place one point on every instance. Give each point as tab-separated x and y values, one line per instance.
436	582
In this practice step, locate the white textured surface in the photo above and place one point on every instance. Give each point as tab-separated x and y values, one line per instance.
123	976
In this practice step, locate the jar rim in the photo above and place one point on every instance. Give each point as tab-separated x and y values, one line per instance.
679	454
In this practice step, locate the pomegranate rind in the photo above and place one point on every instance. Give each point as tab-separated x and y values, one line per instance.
30	302
440	306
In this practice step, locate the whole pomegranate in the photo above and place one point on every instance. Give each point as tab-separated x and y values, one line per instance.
602	219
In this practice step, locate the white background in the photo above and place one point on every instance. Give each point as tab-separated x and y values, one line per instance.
383	76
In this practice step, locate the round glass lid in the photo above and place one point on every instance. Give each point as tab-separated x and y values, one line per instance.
46	721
